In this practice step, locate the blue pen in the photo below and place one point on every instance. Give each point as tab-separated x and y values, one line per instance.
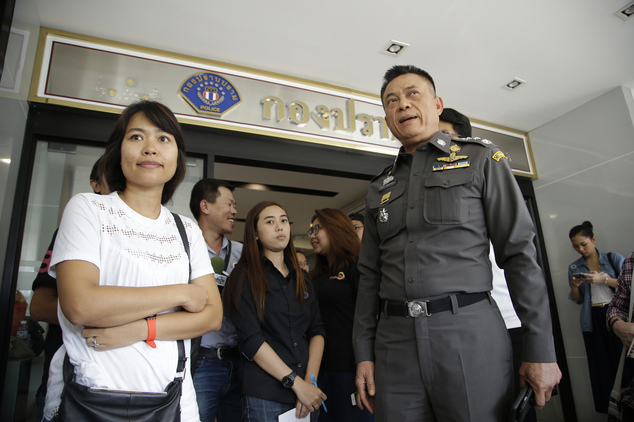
312	377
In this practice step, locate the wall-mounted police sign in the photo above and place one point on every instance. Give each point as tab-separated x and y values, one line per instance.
209	93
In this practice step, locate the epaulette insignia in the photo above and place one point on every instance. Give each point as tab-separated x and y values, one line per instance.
477	141
498	156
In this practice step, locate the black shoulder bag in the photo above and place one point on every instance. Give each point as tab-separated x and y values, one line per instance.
86	404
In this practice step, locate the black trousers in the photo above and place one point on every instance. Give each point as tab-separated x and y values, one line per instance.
603	350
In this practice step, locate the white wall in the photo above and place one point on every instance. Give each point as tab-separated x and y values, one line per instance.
585	163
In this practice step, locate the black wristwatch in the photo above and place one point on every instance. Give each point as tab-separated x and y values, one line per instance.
289	380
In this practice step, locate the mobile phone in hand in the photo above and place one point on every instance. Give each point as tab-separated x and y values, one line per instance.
522	404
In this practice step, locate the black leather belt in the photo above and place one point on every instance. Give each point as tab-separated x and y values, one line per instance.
419	308
222	352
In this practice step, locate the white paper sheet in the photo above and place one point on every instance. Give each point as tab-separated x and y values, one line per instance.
290	416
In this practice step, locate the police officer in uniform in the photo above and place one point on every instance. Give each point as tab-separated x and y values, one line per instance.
439	349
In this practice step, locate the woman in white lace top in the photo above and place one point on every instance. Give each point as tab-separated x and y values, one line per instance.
120	259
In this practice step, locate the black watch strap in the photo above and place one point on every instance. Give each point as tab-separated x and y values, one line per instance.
614	321
289	380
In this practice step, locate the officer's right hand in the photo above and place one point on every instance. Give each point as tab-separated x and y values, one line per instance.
365	385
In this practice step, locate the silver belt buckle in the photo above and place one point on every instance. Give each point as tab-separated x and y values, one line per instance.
219	352
417	308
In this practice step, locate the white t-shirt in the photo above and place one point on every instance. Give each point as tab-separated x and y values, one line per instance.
501	295
134	251
601	293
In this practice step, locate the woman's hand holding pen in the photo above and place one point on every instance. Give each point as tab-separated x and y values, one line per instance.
309	397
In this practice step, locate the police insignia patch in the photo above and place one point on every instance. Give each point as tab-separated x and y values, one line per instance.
498	156
209	93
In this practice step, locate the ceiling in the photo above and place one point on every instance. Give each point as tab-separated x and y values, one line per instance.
568	51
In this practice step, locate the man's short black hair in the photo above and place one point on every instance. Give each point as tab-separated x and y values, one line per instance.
399	70
97	170
357	216
207	189
460	122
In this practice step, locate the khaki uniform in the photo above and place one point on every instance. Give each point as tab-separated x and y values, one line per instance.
429	219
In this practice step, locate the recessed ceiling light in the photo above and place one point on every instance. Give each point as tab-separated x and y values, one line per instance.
625	12
514	84
394	48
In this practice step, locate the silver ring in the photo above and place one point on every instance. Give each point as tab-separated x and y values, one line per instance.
94	341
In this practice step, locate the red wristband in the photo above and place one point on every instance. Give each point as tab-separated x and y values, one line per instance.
151	331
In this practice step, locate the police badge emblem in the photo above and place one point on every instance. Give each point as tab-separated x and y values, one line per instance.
383	215
209	93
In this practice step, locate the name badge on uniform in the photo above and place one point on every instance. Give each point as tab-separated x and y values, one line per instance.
385	198
383	215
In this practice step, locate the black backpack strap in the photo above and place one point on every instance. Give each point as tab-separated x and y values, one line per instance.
181	230
182	359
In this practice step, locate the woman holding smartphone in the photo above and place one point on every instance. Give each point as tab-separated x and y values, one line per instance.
592	280
275	311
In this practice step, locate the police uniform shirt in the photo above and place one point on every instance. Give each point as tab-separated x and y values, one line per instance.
428	223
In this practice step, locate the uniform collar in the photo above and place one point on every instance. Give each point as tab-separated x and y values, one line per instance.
440	141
